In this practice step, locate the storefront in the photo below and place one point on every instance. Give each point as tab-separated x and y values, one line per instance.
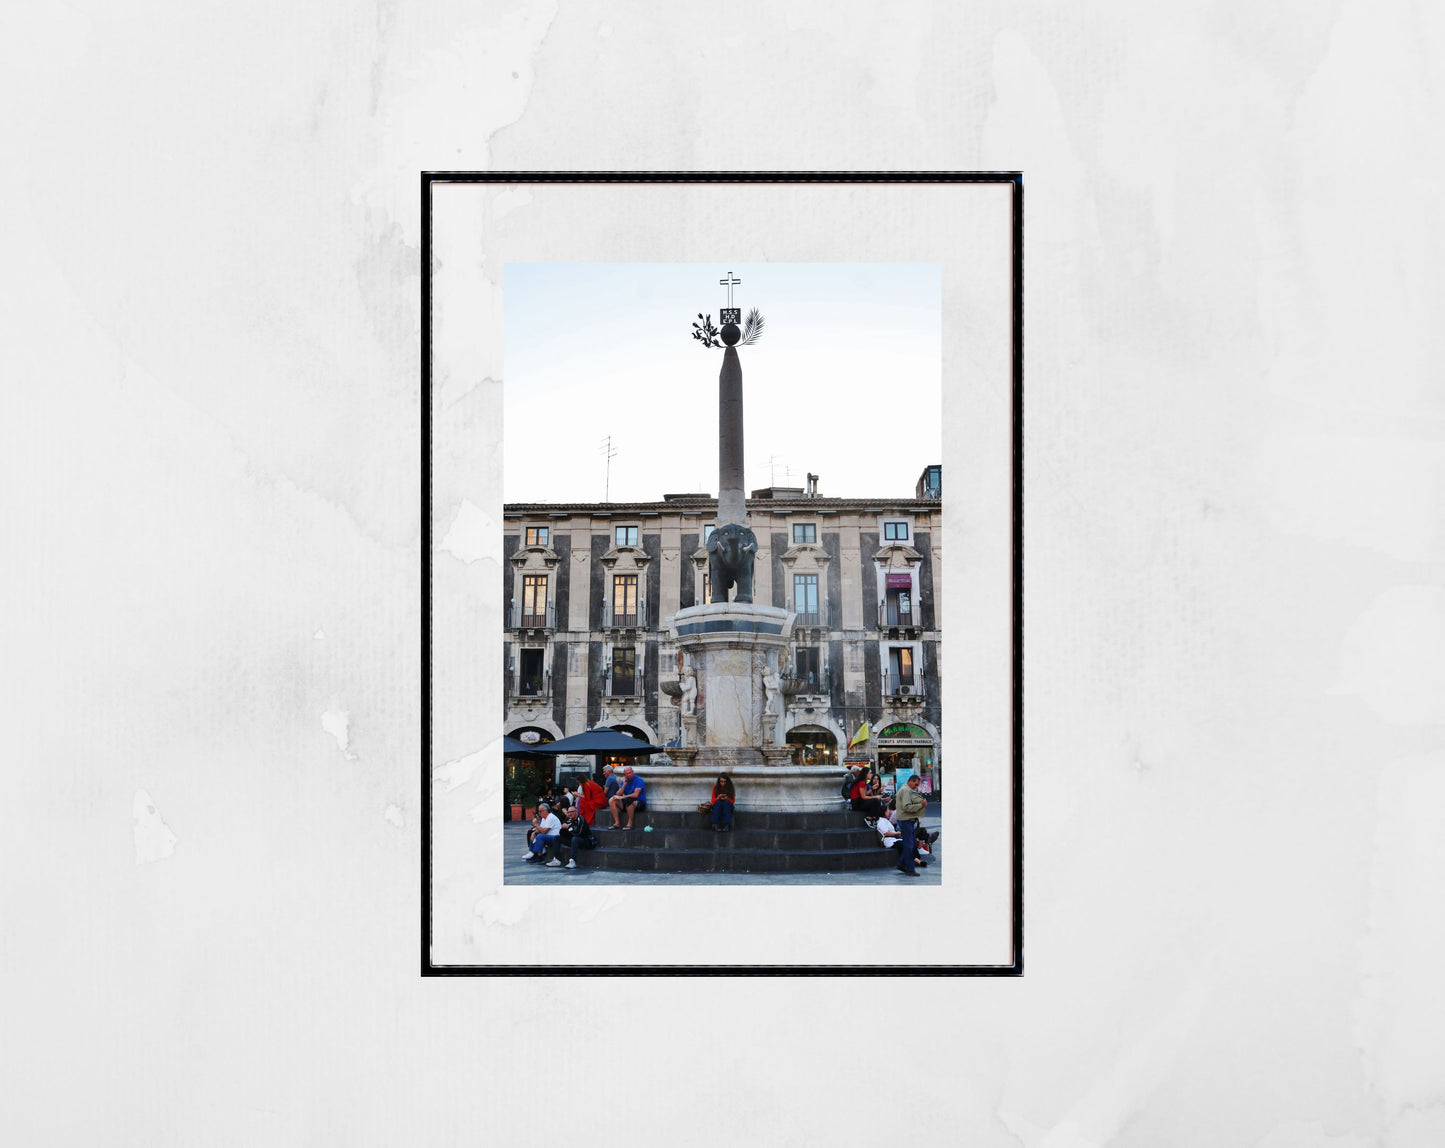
910	748
812	745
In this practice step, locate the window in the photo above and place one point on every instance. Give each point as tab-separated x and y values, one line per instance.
624	671
625	535
900	660
805	532
707	532
530	680
895	532
806	669
706	586
536	536
805	598
624	599
534	599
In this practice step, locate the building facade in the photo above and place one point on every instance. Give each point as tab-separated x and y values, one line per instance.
590	590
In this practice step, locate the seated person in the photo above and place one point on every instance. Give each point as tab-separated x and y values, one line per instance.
548	826
590	798
871	806
891	837
631	797
574	832
724	797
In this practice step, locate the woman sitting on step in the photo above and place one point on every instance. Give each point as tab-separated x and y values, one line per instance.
872	807
723	798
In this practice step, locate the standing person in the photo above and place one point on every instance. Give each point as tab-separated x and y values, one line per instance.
547	829
631	797
870	806
724	797
911	805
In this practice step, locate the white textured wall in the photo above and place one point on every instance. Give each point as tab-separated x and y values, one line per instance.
1236	611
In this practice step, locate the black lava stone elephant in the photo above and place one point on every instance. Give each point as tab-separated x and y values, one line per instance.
730	551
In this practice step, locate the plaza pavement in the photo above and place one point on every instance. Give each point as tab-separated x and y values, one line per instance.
516	871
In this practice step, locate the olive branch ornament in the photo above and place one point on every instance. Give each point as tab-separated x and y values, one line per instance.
712	337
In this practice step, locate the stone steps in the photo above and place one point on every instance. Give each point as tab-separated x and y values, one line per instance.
790	840
743	820
683	841
737	860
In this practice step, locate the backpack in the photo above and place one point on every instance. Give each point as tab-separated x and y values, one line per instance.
849	781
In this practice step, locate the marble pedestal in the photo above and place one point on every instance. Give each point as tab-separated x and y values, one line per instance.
762	788
730	646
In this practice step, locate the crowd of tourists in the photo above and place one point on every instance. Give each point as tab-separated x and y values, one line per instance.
566	817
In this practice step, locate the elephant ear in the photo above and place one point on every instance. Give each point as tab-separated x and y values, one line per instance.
712	543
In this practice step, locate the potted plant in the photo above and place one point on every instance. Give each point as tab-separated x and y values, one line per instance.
516	797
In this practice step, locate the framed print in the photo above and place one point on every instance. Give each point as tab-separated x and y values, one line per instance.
723	573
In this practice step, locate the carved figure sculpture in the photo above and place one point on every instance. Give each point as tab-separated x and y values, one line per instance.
689	691
771	684
730	552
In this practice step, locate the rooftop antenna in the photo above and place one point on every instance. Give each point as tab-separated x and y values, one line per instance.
608	451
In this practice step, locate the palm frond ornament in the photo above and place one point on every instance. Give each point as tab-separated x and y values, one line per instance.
752	328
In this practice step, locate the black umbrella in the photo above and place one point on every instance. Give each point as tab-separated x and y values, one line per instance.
511	747
601	741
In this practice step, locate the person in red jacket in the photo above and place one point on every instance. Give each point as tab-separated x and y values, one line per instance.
871	806
724	796
591	798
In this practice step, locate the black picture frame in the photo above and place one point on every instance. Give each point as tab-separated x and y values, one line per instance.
428	180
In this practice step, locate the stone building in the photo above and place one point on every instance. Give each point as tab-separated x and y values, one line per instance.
590	590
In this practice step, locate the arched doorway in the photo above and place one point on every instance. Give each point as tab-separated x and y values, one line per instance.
526	778
812	745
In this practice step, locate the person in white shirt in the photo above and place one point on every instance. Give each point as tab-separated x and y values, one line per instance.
547	829
891	837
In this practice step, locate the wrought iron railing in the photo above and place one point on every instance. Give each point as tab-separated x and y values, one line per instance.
532	685
624	685
890	615
906	685
614	619
534	619
815	618
804	684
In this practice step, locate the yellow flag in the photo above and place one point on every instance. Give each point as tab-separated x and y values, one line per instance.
861	735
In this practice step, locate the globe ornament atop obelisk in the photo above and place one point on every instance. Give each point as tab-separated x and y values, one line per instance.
731	547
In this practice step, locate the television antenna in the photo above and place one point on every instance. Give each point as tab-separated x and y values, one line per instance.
609	452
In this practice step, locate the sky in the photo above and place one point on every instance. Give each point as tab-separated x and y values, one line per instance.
845	382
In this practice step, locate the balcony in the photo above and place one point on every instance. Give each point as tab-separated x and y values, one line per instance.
814	685
628	686
809	619
623	620
546	619
902	690
890	617
532	687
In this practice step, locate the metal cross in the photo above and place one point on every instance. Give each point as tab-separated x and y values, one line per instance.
729	283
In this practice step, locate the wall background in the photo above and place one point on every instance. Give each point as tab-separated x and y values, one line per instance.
209	321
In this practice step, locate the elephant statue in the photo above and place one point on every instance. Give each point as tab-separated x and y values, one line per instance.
730	551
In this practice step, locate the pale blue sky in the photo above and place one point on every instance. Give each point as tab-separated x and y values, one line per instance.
845	381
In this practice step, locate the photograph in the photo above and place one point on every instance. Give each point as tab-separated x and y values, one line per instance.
709	459
722	577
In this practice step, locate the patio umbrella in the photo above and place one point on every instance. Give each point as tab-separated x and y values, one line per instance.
601	741
511	747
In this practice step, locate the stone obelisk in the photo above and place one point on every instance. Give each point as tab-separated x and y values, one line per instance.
731	500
